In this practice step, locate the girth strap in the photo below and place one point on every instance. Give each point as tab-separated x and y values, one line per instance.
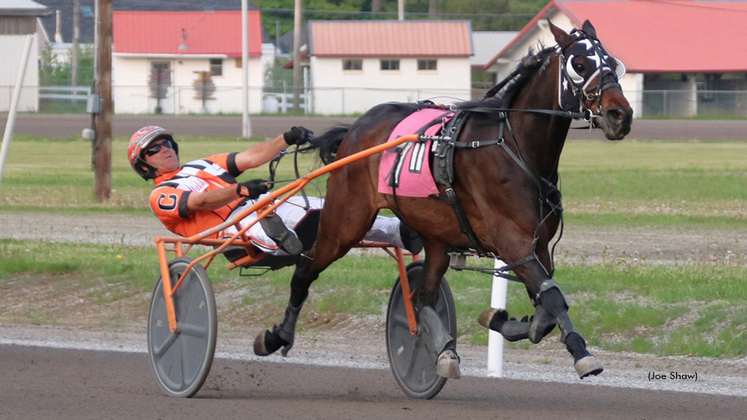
444	175
463	221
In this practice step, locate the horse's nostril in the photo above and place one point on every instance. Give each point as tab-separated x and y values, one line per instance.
615	115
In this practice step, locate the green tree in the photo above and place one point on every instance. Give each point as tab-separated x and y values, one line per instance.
56	71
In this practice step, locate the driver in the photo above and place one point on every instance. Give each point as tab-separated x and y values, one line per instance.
204	193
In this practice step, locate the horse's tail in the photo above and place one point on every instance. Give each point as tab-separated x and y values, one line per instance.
328	143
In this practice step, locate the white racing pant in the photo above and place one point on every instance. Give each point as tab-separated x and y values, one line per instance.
384	229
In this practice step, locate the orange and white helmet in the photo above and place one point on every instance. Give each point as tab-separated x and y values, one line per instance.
140	141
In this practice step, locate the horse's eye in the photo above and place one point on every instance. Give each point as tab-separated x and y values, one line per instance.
579	68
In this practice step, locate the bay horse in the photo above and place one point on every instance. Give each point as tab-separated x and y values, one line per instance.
505	174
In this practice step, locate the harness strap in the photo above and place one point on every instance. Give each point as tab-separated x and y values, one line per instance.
444	175
463	221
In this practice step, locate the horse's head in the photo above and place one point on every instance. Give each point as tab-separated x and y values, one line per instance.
588	81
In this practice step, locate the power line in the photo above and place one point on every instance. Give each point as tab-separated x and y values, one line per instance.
422	14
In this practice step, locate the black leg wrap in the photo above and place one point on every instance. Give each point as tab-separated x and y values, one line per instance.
552	299
542	324
497	320
576	346
514	330
280	336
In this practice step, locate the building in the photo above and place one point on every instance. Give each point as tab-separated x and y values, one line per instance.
185	62
355	65
681	56
18	19
486	43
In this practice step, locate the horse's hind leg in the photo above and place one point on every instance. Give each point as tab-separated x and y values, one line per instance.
444	345
340	228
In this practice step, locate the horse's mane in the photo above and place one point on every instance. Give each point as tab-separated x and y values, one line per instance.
500	95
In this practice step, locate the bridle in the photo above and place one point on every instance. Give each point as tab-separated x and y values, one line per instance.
572	86
572	89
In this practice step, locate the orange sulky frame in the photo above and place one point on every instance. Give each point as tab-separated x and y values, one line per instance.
264	207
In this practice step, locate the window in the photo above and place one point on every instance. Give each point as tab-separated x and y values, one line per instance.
216	67
427	65
352	64
390	64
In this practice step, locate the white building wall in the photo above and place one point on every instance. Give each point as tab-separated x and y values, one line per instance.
338	91
132	94
632	86
12	47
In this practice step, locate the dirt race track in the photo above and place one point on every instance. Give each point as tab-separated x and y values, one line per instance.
42	383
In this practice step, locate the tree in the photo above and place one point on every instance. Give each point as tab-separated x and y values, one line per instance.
57	71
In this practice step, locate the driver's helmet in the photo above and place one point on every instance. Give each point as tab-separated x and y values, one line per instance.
140	141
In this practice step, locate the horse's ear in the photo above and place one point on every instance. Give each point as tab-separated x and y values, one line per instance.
562	38
589	29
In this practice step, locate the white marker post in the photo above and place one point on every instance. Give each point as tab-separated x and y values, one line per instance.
14	105
495	339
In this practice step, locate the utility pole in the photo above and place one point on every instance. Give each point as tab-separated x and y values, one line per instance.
246	126
297	56
76	37
102	145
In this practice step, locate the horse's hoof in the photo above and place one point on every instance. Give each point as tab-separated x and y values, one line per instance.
486	317
447	365
259	344
267	343
588	366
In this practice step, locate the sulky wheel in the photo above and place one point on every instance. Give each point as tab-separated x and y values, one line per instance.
181	361
410	356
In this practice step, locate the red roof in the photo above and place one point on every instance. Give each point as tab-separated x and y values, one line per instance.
652	36
390	38
207	33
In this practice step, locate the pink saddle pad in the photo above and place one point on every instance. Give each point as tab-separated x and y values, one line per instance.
411	177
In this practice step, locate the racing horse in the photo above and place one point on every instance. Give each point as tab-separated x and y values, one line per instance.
503	199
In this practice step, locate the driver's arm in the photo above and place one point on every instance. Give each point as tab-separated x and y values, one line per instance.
211	200
260	153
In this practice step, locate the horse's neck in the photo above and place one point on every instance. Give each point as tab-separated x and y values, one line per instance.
541	142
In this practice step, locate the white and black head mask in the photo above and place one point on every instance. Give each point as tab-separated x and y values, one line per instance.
572	85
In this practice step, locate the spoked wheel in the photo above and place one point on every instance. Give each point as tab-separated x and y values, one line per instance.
411	356
181	361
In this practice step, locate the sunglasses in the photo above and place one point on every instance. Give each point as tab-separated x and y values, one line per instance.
152	150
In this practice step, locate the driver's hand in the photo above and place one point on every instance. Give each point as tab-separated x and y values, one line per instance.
252	188
297	136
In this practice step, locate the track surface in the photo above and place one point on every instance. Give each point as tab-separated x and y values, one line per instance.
77	384
53	125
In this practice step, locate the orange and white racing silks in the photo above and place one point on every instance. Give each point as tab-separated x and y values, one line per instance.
169	199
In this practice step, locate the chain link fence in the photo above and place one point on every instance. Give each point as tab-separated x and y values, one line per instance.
182	100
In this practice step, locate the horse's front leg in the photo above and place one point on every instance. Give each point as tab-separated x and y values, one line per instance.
443	343
551	308
554	303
